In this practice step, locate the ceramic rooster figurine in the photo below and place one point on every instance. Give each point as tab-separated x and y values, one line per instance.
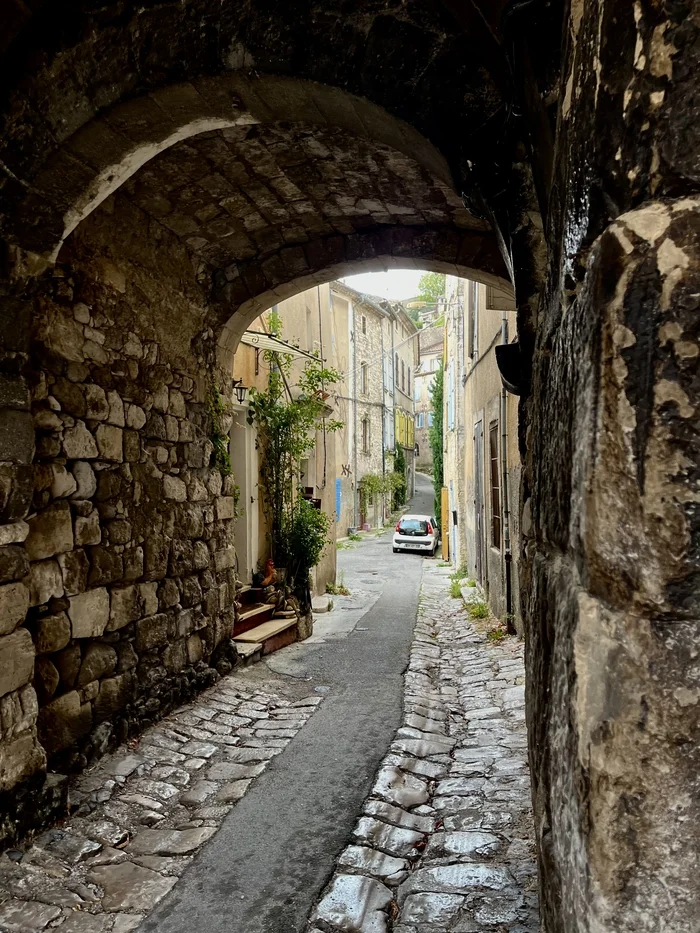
270	573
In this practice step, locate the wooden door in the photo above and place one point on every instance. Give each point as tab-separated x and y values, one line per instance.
479	501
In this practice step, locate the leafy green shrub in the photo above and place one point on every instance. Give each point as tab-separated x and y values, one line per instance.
305	535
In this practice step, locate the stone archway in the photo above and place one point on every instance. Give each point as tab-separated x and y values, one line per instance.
599	225
127	552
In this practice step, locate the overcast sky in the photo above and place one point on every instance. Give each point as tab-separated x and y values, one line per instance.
397	284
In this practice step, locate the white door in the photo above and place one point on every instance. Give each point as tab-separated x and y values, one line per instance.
244	462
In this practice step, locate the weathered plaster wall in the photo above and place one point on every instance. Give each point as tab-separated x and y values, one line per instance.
120	599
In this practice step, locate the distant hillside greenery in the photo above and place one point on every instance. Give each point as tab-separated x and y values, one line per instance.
431	287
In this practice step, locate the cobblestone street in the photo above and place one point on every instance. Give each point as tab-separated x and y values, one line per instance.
141	815
445	842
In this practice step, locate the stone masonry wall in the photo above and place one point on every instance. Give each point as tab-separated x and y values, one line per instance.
118	584
369	404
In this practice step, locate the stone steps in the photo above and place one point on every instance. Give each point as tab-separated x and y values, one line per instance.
272	635
252	616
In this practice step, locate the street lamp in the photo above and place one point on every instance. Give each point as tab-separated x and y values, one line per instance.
240	390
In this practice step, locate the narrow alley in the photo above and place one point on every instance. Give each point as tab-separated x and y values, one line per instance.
384	754
261	263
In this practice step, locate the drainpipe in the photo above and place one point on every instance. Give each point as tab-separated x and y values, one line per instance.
381	325
323	420
508	557
354	408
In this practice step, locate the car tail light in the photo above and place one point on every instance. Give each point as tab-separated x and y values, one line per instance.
398	526
430	528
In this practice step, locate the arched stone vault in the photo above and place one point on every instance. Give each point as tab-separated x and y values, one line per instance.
557	142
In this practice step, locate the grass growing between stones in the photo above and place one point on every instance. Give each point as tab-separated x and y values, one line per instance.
455	589
476	610
339	588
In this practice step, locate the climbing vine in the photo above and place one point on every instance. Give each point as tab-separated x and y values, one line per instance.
378	484
220	458
436	438
400	473
286	426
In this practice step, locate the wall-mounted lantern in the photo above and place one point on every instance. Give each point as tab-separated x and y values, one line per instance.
240	390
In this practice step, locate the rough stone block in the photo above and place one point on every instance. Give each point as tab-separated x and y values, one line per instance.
14	603
89	613
175	656
97	408
45	581
106	566
201	555
74	568
98	661
16	660
110	442
153	632
53	633
156	553
132	446
174	488
129	887
135	417
63	483
50	532
225	558
195	649
148	594
78	443
125	607
133	564
87	528
63	721
46	678
86	484
181	558
115	693
20	758
116	409
225	508
15	533
68	664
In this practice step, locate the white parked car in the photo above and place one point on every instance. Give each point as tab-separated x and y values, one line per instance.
417	533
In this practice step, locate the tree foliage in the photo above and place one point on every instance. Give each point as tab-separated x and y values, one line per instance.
286	429
431	287
400	484
436	436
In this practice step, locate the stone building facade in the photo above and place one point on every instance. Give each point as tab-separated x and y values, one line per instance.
431	342
482	464
363	329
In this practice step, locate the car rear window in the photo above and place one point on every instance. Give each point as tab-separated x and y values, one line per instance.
413	526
